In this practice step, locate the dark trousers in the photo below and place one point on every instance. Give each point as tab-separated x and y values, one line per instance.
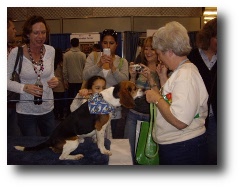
189	152
114	129
12	126
58	104
212	141
73	89
30	125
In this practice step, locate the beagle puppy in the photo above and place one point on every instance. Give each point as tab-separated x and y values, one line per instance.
83	123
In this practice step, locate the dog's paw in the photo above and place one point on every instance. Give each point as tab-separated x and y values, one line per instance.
79	156
20	148
94	139
71	157
81	140
106	152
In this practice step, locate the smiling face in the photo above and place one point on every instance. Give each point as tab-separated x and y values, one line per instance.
38	35
150	54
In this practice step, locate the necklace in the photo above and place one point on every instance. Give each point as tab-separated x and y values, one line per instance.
37	66
185	60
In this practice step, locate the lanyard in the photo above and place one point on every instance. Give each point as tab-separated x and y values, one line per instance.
185	60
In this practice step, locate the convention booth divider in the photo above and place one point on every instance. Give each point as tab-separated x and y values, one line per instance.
127	46
127	43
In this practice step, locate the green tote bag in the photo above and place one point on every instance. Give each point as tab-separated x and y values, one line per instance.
147	149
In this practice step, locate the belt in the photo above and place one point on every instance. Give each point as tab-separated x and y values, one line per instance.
139	113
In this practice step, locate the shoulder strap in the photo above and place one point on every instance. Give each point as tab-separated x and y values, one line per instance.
120	64
19	59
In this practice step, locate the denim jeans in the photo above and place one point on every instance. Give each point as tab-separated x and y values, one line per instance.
189	152
130	128
31	124
212	141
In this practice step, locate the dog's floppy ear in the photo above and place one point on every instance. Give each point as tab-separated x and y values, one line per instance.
125	96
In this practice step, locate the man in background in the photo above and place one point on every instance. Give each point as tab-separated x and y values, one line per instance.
73	65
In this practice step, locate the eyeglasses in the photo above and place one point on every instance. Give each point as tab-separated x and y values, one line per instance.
109	32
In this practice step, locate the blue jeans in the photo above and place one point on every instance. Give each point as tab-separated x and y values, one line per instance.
212	141
130	128
31	124
189	152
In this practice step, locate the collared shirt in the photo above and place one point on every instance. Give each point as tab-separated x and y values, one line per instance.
208	63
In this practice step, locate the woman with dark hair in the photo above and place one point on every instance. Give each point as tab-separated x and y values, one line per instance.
38	64
107	66
110	66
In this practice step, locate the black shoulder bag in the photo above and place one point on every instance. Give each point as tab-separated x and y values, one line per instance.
12	96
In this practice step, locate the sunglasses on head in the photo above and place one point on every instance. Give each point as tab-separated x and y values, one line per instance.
109	32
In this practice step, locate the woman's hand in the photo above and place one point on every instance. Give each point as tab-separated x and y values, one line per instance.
111	65
152	96
33	90
145	71
162	73
105	59
132	72
161	70
53	82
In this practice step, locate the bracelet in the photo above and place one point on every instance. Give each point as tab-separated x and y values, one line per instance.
158	100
